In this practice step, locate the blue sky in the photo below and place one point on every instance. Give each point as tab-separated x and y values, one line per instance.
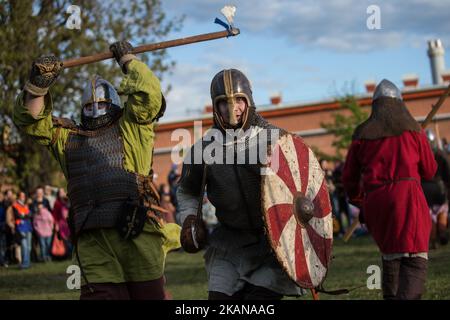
306	50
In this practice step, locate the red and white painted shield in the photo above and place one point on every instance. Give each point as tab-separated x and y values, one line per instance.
303	249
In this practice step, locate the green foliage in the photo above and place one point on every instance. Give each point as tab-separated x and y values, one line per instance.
31	28
344	124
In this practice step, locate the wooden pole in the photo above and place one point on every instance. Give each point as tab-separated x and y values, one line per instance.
436	107
315	294
154	46
351	229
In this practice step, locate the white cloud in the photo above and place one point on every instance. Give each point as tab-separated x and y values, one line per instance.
189	89
323	27
191	81
331	24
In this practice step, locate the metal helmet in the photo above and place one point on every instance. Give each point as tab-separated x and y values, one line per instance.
386	89
228	85
389	117
99	91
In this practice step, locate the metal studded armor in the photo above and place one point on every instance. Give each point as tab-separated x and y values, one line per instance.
98	186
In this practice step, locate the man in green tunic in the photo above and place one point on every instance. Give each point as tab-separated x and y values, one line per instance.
121	243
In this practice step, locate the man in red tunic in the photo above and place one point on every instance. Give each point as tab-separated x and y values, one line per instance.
388	157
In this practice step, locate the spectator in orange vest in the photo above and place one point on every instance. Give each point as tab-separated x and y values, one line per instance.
23	227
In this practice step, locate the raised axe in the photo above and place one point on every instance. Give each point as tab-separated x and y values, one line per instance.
231	31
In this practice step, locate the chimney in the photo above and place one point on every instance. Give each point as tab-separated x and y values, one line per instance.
437	62
410	81
370	86
275	99
446	77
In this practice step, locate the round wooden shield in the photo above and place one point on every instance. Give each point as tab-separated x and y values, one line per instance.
301	242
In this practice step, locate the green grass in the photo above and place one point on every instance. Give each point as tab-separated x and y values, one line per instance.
349	270
186	277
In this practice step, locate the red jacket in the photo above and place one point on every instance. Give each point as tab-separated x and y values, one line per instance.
384	176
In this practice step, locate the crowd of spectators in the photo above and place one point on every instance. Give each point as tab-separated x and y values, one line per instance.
32	224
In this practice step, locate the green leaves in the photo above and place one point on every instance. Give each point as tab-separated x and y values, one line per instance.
344	123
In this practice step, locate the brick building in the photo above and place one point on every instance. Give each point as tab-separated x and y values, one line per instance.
301	118
305	118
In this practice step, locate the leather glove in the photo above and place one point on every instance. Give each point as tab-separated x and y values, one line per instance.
193	234
122	51
43	74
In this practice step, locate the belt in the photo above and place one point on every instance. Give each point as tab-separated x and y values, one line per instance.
386	182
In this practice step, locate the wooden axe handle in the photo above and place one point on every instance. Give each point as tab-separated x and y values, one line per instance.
315	294
152	47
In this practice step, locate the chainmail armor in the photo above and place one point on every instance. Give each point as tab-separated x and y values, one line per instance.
233	189
97	183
